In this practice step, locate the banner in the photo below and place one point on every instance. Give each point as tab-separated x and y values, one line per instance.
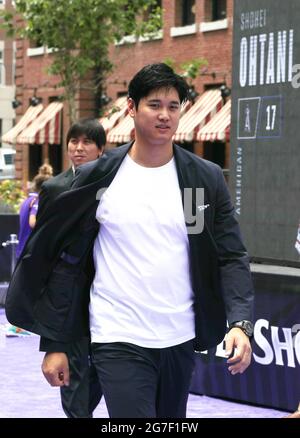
265	128
272	379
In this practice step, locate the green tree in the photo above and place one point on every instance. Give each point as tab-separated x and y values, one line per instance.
188	69
80	32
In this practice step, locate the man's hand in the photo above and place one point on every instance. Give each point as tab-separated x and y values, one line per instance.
238	343
55	368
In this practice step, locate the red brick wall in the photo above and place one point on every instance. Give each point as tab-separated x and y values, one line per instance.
214	46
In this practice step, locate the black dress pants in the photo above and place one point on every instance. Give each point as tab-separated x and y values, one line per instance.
82	396
140	382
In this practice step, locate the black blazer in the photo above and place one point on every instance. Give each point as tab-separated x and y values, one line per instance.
54	187
49	291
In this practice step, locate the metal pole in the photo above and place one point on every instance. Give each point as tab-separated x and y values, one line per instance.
12	242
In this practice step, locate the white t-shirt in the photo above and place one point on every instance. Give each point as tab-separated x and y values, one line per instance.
142	291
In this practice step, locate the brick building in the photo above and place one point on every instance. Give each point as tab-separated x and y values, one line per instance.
192	29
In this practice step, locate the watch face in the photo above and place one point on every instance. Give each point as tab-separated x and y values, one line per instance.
247	326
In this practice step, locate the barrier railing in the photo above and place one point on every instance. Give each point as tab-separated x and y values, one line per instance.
12	244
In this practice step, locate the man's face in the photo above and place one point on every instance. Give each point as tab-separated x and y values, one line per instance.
157	116
81	150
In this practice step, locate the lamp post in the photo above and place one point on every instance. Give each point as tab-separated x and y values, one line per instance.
225	92
193	94
15	103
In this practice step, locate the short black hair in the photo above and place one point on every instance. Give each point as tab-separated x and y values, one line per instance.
91	128
153	77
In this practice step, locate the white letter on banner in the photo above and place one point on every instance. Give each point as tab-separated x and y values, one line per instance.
286	345
262	343
243	62
262	41
281	57
270	75
297	346
253	60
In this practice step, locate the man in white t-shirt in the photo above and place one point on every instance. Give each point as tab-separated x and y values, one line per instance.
163	286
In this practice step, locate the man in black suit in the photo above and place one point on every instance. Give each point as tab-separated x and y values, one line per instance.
85	142
161	253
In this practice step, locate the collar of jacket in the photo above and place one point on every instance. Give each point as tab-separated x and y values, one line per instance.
98	175
111	160
94	176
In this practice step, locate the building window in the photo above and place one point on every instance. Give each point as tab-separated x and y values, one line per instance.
215	10
218	10
184	18
152	22
36	43
185	12
151	10
2	4
188	12
36	47
215	16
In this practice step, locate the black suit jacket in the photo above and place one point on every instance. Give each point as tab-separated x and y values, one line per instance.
48	293
54	187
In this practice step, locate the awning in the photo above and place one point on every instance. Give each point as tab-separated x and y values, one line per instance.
31	113
46	128
207	105
218	128
117	112
123	132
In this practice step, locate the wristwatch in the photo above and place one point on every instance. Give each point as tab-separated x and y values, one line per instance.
244	325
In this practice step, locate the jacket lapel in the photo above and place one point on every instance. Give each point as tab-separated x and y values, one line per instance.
192	186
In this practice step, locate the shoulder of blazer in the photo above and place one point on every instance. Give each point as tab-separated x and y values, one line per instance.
194	170
189	158
60	182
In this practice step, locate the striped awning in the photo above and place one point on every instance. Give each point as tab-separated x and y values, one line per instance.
218	128
31	114
116	113
46	128
123	132
206	106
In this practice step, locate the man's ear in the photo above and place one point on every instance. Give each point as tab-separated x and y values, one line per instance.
131	107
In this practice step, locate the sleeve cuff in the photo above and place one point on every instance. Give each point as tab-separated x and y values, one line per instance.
50	346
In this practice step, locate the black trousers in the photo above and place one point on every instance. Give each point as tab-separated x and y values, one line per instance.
82	396
140	382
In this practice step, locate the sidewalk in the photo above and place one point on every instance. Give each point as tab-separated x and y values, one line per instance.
24	393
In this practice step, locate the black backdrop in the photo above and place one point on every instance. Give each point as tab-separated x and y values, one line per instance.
265	137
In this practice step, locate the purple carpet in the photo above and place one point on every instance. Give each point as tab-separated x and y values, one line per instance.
24	393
